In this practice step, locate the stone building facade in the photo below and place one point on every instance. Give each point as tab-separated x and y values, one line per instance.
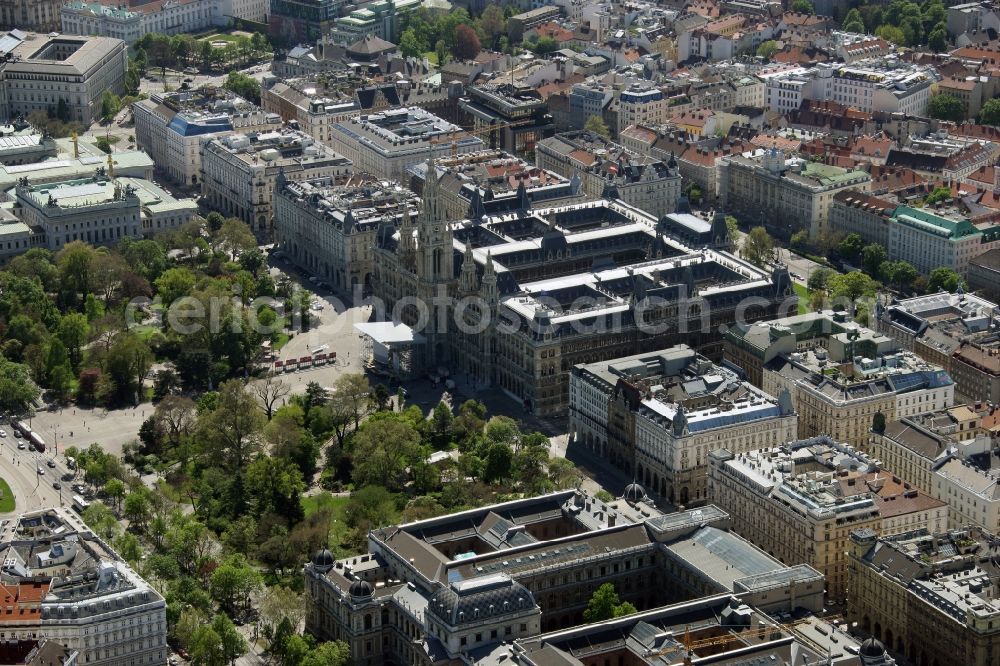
800	501
441	590
657	416
239	172
928	596
532	270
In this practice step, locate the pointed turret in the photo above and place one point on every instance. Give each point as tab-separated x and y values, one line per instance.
406	232
477	210
488	288
468	282
785	406
720	230
431	198
680	421
690	285
683	205
523	202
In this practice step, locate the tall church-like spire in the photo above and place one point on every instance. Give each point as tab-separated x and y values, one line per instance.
488	286
431	205
434	237
406	243
469	281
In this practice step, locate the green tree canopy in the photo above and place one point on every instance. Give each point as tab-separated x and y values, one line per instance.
937	39
940	193
990	113
891	34
878	422
802	7
383	448
900	273
853	22
758	247
410	45
111	104
17	390
819	279
597	125
850	247
604	604
849	287
767	49
333	653
243	85
872	258
946	107
943	278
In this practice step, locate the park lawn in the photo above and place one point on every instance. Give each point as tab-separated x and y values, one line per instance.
145	331
340	533
7	503
280	341
432	57
804	294
220	37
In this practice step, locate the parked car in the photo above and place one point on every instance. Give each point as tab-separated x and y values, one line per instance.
21	446
51	464
57	485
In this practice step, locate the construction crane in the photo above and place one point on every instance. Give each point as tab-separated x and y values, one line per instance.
690	646
486	130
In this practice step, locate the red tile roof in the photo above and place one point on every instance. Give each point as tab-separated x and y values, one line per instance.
22	602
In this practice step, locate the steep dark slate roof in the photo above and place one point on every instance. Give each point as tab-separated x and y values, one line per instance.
471	601
370	45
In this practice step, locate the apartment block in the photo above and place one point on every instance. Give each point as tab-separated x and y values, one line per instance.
385	144
955	331
930	595
41	72
174	127
837	391
130	22
800	501
916	446
328	227
240	172
492	182
786	195
68	586
608	170
658	415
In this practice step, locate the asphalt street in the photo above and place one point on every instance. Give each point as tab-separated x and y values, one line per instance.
33	490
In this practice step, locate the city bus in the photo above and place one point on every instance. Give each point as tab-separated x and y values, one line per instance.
36	441
80	504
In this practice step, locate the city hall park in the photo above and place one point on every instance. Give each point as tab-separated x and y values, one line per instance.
230	37
7	502
804	295
340	532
